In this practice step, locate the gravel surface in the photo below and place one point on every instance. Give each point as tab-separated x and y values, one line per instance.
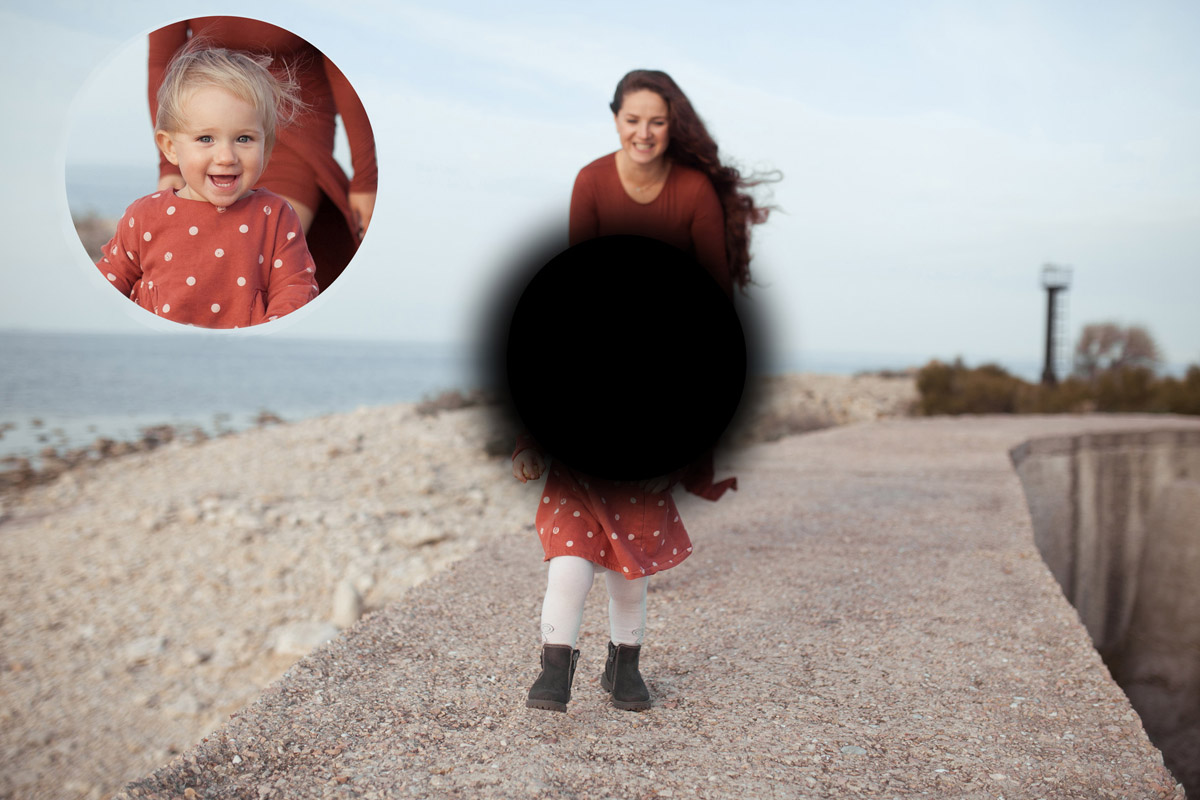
867	617
146	598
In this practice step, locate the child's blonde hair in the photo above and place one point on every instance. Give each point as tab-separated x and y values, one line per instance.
244	75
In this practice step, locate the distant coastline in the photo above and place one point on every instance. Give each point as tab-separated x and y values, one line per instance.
66	390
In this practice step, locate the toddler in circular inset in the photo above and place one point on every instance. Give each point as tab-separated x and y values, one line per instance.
217	253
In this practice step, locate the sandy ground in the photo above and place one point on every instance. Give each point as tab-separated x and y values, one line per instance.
867	617
146	598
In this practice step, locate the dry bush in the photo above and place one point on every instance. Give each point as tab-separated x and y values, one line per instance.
957	389
1107	346
1182	396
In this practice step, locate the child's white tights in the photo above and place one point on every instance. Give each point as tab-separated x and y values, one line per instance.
567	586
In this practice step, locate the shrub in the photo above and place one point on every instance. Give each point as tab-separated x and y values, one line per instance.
1182	396
989	389
955	389
1128	389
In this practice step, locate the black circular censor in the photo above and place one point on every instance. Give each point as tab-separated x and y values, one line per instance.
625	360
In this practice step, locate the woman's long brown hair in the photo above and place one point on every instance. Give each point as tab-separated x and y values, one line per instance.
691	145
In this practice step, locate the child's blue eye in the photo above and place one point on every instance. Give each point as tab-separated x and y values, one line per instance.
205	139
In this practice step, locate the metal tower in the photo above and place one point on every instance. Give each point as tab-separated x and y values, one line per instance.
1055	278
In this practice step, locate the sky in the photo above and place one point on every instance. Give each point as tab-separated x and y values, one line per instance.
934	155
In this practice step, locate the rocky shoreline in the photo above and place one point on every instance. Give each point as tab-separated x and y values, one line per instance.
149	595
777	406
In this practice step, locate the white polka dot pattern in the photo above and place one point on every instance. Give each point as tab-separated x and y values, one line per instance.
168	255
635	548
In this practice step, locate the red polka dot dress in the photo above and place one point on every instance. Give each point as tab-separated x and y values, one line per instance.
616	524
195	263
613	524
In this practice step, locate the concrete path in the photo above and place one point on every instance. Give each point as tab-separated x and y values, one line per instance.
867	617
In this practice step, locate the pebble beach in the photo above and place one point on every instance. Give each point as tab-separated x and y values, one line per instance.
149	596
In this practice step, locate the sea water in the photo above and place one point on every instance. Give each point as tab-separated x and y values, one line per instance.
66	390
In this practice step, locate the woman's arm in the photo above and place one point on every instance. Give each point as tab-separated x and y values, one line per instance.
164	43
365	181
585	218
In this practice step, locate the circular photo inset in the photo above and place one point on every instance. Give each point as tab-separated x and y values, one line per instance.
258	200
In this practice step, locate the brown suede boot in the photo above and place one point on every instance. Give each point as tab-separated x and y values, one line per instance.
552	689
622	678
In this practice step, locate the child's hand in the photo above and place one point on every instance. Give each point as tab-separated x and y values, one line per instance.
528	465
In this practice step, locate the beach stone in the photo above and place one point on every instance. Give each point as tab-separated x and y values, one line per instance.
301	638
83	790
143	649
347	604
193	656
247	521
184	705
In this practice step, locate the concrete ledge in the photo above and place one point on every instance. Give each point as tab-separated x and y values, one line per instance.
868	617
1115	518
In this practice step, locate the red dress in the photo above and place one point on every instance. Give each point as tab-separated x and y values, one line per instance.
614	523
302	166
686	214
198	264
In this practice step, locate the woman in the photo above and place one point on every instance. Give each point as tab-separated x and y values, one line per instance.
334	211
666	182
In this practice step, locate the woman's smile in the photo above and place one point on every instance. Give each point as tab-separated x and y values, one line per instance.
643	126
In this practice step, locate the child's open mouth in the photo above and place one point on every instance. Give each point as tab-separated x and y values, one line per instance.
223	181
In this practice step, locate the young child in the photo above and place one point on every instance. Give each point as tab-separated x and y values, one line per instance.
217	253
583	534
